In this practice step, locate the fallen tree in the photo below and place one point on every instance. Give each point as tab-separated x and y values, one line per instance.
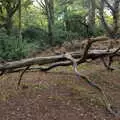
92	54
65	59
58	60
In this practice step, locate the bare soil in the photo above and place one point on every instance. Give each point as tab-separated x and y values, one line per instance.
58	95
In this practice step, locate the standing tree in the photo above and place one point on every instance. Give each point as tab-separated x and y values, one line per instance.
20	36
48	8
65	4
114	7
7	11
91	15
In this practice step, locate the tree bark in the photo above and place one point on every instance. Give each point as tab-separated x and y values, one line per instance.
49	6
92	54
112	31
20	35
91	22
115	13
6	18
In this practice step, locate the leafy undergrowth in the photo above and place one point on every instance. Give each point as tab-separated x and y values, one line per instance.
59	95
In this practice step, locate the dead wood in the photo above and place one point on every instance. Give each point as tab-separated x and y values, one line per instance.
104	97
65	59
19	81
87	54
92	54
108	65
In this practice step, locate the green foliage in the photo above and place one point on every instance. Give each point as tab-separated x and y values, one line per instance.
61	36
35	33
98	31
37	36
11	48
70	18
76	24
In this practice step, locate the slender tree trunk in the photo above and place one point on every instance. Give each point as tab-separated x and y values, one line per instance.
115	13
112	32
8	25
92	16
103	21
66	21
20	35
51	21
50	16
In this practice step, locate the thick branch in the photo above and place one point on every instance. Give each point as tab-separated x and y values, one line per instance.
104	97
92	54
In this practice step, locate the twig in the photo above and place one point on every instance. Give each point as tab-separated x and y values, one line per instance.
21	75
107	65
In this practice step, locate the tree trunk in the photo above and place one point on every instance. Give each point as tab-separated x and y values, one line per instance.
50	16
112	32
66	21
91	21
115	13
92	54
19	10
8	25
104	23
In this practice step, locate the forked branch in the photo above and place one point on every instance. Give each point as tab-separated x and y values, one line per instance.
104	97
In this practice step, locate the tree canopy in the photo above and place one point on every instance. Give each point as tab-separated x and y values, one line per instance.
46	23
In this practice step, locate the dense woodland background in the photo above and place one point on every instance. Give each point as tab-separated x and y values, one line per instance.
28	26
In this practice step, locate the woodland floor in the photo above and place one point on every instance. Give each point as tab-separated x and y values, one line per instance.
59	95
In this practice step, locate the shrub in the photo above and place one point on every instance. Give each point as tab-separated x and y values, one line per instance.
61	36
33	33
11	48
37	36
